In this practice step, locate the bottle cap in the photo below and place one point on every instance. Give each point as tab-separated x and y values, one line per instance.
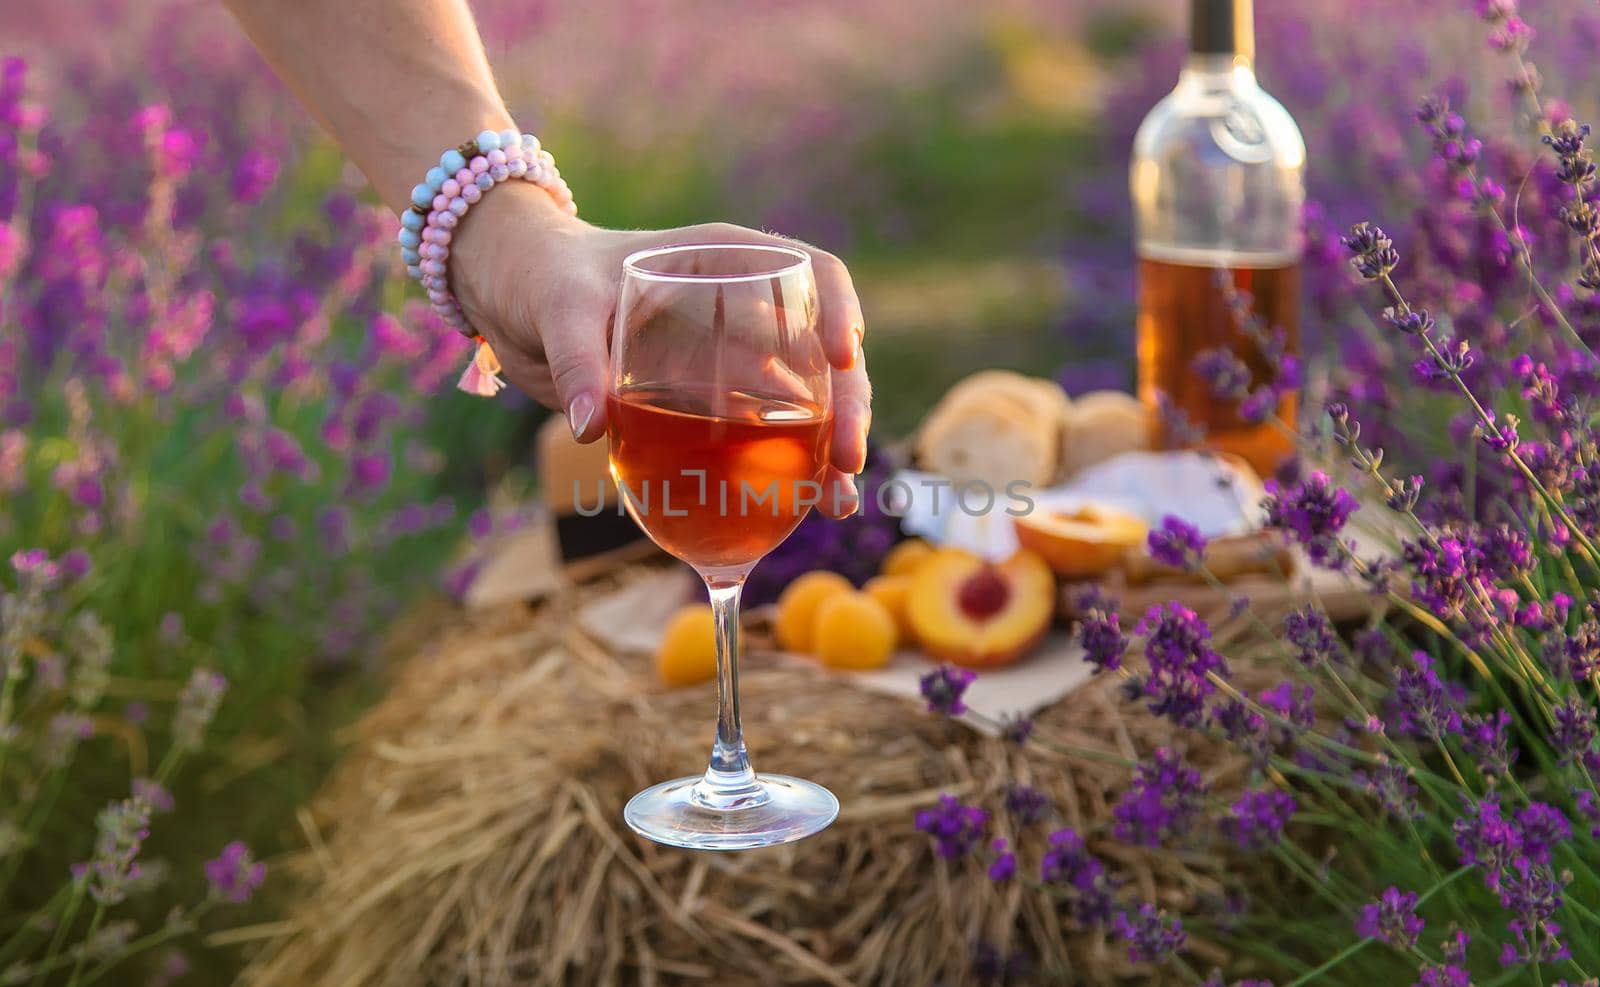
1222	27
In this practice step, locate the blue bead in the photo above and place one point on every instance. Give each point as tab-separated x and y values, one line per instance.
410	256
422	196
410	239
488	141
412	220
435	178
485	182
452	161
509	138
414	271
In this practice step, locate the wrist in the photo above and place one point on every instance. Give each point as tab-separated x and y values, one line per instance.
515	230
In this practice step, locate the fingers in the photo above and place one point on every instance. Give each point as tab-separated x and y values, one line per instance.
840	498
842	326
852	418
574	339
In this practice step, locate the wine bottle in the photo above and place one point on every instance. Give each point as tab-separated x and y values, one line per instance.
1217	179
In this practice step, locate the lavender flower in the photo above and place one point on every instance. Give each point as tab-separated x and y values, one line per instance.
1026	804
956	829
1313	637
1485	837
1425	708
1574	730
1071	870
234	875
1374	253
1152	937
1162	803
1313	513
1004	866
121	829
1542	827
943	688
197	706
1177	543
1177	646
1100	630
1396	793
1392	919
1224	374
1257	817
1453	971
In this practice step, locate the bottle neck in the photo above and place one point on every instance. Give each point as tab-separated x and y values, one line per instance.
1212	71
1223	28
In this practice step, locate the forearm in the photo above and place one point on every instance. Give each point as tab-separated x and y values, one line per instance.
395	82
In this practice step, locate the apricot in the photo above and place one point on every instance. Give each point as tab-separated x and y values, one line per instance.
904	558
797	607
893	592
853	631
1080	543
688	651
980	614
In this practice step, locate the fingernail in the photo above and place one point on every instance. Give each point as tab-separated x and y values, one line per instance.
579	413
861	335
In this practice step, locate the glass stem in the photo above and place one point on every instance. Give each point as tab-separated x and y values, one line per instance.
730	781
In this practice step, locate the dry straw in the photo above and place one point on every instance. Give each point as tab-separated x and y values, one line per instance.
474	835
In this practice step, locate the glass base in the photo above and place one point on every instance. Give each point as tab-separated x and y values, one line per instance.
686	812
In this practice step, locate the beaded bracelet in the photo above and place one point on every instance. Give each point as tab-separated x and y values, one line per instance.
441	201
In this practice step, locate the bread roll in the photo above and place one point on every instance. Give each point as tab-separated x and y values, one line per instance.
1103	424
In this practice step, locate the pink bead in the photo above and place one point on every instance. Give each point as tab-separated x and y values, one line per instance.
464	177
471	194
512	153
546	158
449	220
499	172
496	157
428	234
458	205
535	172
450	189
438	297
518	167
570	208
479	165
441	236
440	201
433	267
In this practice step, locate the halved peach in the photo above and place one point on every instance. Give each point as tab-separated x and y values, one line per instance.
980	614
1083	542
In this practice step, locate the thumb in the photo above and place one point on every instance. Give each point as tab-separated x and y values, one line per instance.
579	364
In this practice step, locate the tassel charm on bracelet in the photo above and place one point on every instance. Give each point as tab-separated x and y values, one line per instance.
439	203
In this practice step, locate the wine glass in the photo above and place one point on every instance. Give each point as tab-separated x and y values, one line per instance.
719	415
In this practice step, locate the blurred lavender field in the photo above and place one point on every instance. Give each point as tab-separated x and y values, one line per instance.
228	425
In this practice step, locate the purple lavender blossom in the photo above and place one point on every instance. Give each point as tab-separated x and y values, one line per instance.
1162	803
1224	374
1313	637
1453	972
1573	733
1313	513
1078	875
1392	919
1152	937
1425	707
1177	646
1485	837
943	688
1176	543
1542	827
1257	817
1392	786
1004	866
956	829
1100	630
1485	739
1026	804
234	875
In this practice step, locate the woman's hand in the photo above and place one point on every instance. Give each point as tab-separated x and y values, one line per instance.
541	287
